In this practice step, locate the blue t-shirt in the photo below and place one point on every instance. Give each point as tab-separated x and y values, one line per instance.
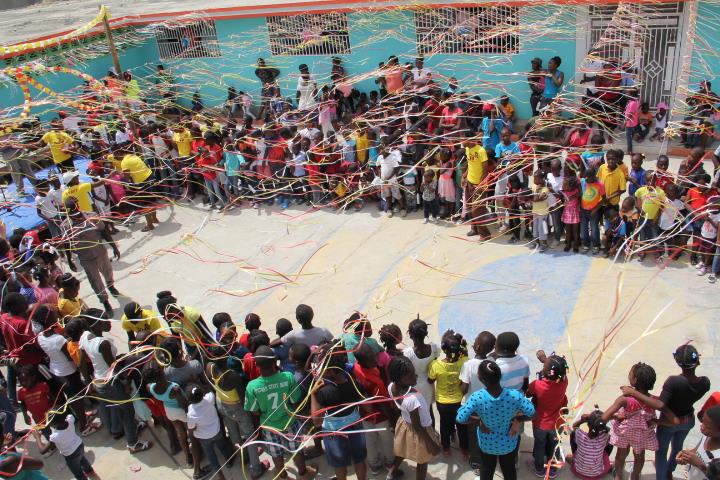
639	177
233	162
589	157
496	414
551	90
502	150
282	352
491	139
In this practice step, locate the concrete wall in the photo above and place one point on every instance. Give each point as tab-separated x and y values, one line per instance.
373	37
706	50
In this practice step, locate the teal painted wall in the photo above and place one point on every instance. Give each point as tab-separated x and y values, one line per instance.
706	49
133	59
374	36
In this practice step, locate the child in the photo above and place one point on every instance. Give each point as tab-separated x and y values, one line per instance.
300	354
514	202
515	368
615	235
203	423
671	223
421	355
540	210
645	119
634	425
591	452
637	173
571	212
709	235
429	197
445	373
70	446
415	438
593	192
469	383
630	215
548	395
554	182
280	428
661	118
35	401
446	183
662	177
282	351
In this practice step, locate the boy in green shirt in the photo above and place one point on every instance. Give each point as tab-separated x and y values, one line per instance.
270	396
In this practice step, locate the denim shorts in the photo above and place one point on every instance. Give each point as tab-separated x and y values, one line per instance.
345	448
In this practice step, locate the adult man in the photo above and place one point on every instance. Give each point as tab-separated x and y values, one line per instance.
86	238
267	76
308	334
306	89
421	75
19	161
79	191
474	188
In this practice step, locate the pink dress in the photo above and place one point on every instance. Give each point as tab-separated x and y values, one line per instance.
571	211
634	430
446	184
46	296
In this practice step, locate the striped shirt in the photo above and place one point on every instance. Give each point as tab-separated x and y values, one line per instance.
514	371
588	460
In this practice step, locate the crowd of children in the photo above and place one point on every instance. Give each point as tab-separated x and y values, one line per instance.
222	394
226	393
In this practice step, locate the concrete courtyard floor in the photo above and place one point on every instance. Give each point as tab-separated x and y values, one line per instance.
597	313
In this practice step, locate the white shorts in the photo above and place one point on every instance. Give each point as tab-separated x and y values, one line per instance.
175	414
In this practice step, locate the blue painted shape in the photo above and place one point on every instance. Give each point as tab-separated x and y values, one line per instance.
532	295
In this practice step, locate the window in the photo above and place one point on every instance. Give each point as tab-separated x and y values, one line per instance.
187	40
476	30
309	34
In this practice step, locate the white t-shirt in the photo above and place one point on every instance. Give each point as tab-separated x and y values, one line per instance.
309	133
708	230
66	441
306	88
203	417
388	164
556	183
670	214
46	206
421	368
424	75
514	371
60	364
410	402
122	137
72	124
91	344
469	375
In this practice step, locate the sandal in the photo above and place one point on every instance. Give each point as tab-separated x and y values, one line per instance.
140	447
202	473
91	428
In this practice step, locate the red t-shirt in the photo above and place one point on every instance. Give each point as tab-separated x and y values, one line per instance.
697	199
663	179
20	341
250	367
207	161
36	400
549	399
711	402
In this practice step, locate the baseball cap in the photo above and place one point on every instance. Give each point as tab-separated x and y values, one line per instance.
68	176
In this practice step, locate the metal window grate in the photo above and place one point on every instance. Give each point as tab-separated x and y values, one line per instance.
187	40
472	31
309	34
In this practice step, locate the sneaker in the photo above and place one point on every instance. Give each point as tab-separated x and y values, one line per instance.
531	466
700	265
396	209
113	291
702	271
427	220
503	228
434	219
595	250
712	278
543	248
585	249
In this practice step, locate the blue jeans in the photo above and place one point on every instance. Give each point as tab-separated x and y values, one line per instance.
590	221
214	192
716	262
545	442
673	438
221	442
629	132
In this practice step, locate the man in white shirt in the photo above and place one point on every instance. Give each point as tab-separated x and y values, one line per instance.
306	89
389	163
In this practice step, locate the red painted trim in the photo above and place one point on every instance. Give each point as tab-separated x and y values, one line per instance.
281	9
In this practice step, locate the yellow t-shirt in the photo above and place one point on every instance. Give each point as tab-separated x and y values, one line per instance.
613	181
652	199
135	167
57	141
362	144
187	327
508	109
81	194
447	380
540	207
69	307
150	321
476	163
183	140
115	162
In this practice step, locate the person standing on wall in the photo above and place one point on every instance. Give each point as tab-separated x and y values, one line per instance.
554	79
306	89
268	80
536	81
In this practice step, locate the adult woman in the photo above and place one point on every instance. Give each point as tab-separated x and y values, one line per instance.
698	458
678	395
501	412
